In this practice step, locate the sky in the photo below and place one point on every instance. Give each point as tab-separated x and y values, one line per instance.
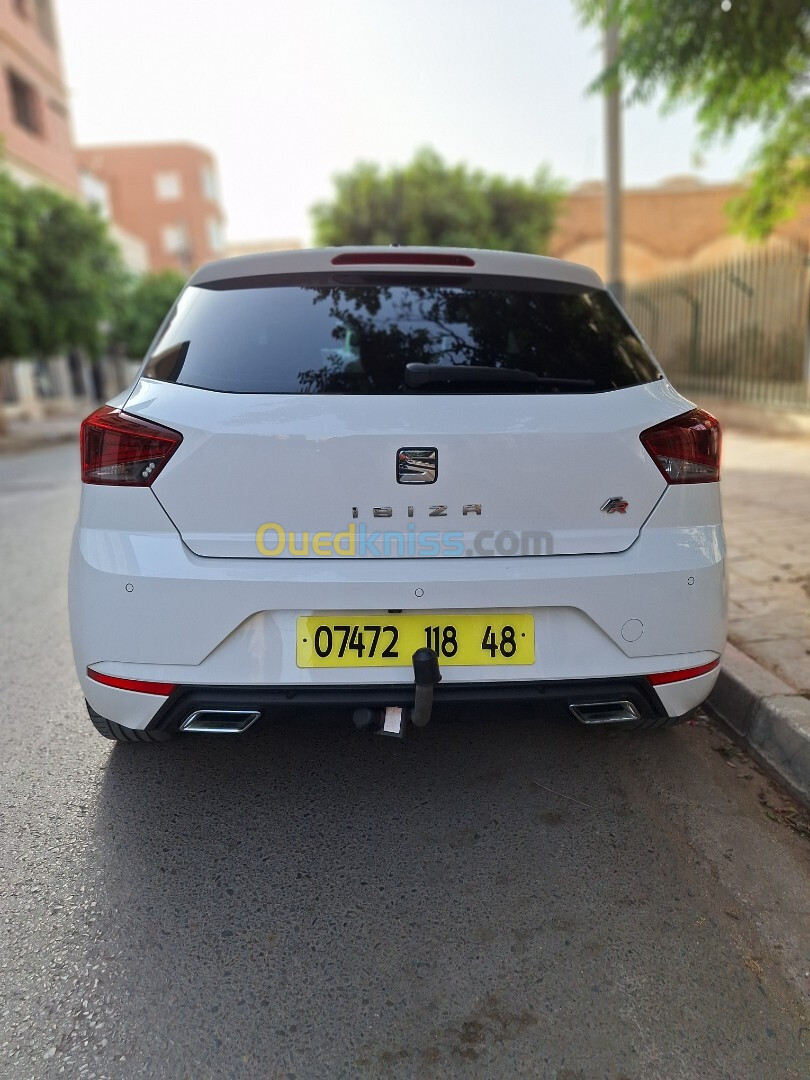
287	93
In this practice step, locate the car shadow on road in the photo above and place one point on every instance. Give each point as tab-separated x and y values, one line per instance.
345	890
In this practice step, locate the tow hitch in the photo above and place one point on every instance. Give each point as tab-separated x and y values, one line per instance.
426	675
392	719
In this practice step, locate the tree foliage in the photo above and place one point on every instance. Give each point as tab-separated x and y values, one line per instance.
16	267
59	273
142	309
741	62
76	277
429	202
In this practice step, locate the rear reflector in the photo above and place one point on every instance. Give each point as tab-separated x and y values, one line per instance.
137	686
401	258
686	449
124	450
685	673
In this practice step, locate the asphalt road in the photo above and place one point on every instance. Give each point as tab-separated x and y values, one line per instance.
494	897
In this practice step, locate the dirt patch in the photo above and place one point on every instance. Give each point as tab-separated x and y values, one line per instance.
776	804
488	1025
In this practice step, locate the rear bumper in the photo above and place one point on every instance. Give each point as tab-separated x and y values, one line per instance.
142	606
552	699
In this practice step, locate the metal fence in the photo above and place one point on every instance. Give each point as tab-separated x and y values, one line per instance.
738	330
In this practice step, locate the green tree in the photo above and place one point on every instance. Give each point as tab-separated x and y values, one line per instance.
59	273
142	308
741	62
76	276
17	232
16	265
429	202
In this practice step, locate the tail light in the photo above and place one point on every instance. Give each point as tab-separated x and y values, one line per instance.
124	450
686	449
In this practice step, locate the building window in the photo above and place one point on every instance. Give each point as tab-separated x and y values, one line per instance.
175	239
216	239
210	187
96	193
168	185
25	106
45	20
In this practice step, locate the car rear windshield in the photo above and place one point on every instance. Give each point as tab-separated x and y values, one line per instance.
386	334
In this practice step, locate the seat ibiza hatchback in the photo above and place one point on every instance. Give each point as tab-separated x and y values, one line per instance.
372	477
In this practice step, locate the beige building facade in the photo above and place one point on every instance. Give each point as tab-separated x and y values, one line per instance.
258	247
679	225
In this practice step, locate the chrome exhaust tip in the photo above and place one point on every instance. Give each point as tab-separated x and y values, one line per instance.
605	712
219	721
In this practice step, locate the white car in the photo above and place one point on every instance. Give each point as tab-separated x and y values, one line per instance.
368	477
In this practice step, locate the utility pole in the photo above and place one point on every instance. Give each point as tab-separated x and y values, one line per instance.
613	148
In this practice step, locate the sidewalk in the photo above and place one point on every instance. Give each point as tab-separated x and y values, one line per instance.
764	688
766	509
49	431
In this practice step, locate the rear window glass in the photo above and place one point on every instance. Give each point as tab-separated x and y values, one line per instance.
383	334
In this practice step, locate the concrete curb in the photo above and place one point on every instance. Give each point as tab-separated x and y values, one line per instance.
770	717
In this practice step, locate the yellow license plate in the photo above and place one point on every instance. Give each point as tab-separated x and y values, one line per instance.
344	641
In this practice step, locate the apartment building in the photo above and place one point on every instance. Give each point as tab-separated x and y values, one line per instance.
36	148
167	194
35	127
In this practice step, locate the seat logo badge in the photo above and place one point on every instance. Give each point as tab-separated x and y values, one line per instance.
417	465
616	505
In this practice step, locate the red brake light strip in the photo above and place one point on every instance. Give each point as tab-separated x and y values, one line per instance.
401	258
663	677
138	686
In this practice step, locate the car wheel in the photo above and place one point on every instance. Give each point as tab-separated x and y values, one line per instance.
110	730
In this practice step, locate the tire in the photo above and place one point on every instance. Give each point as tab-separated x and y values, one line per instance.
117	733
